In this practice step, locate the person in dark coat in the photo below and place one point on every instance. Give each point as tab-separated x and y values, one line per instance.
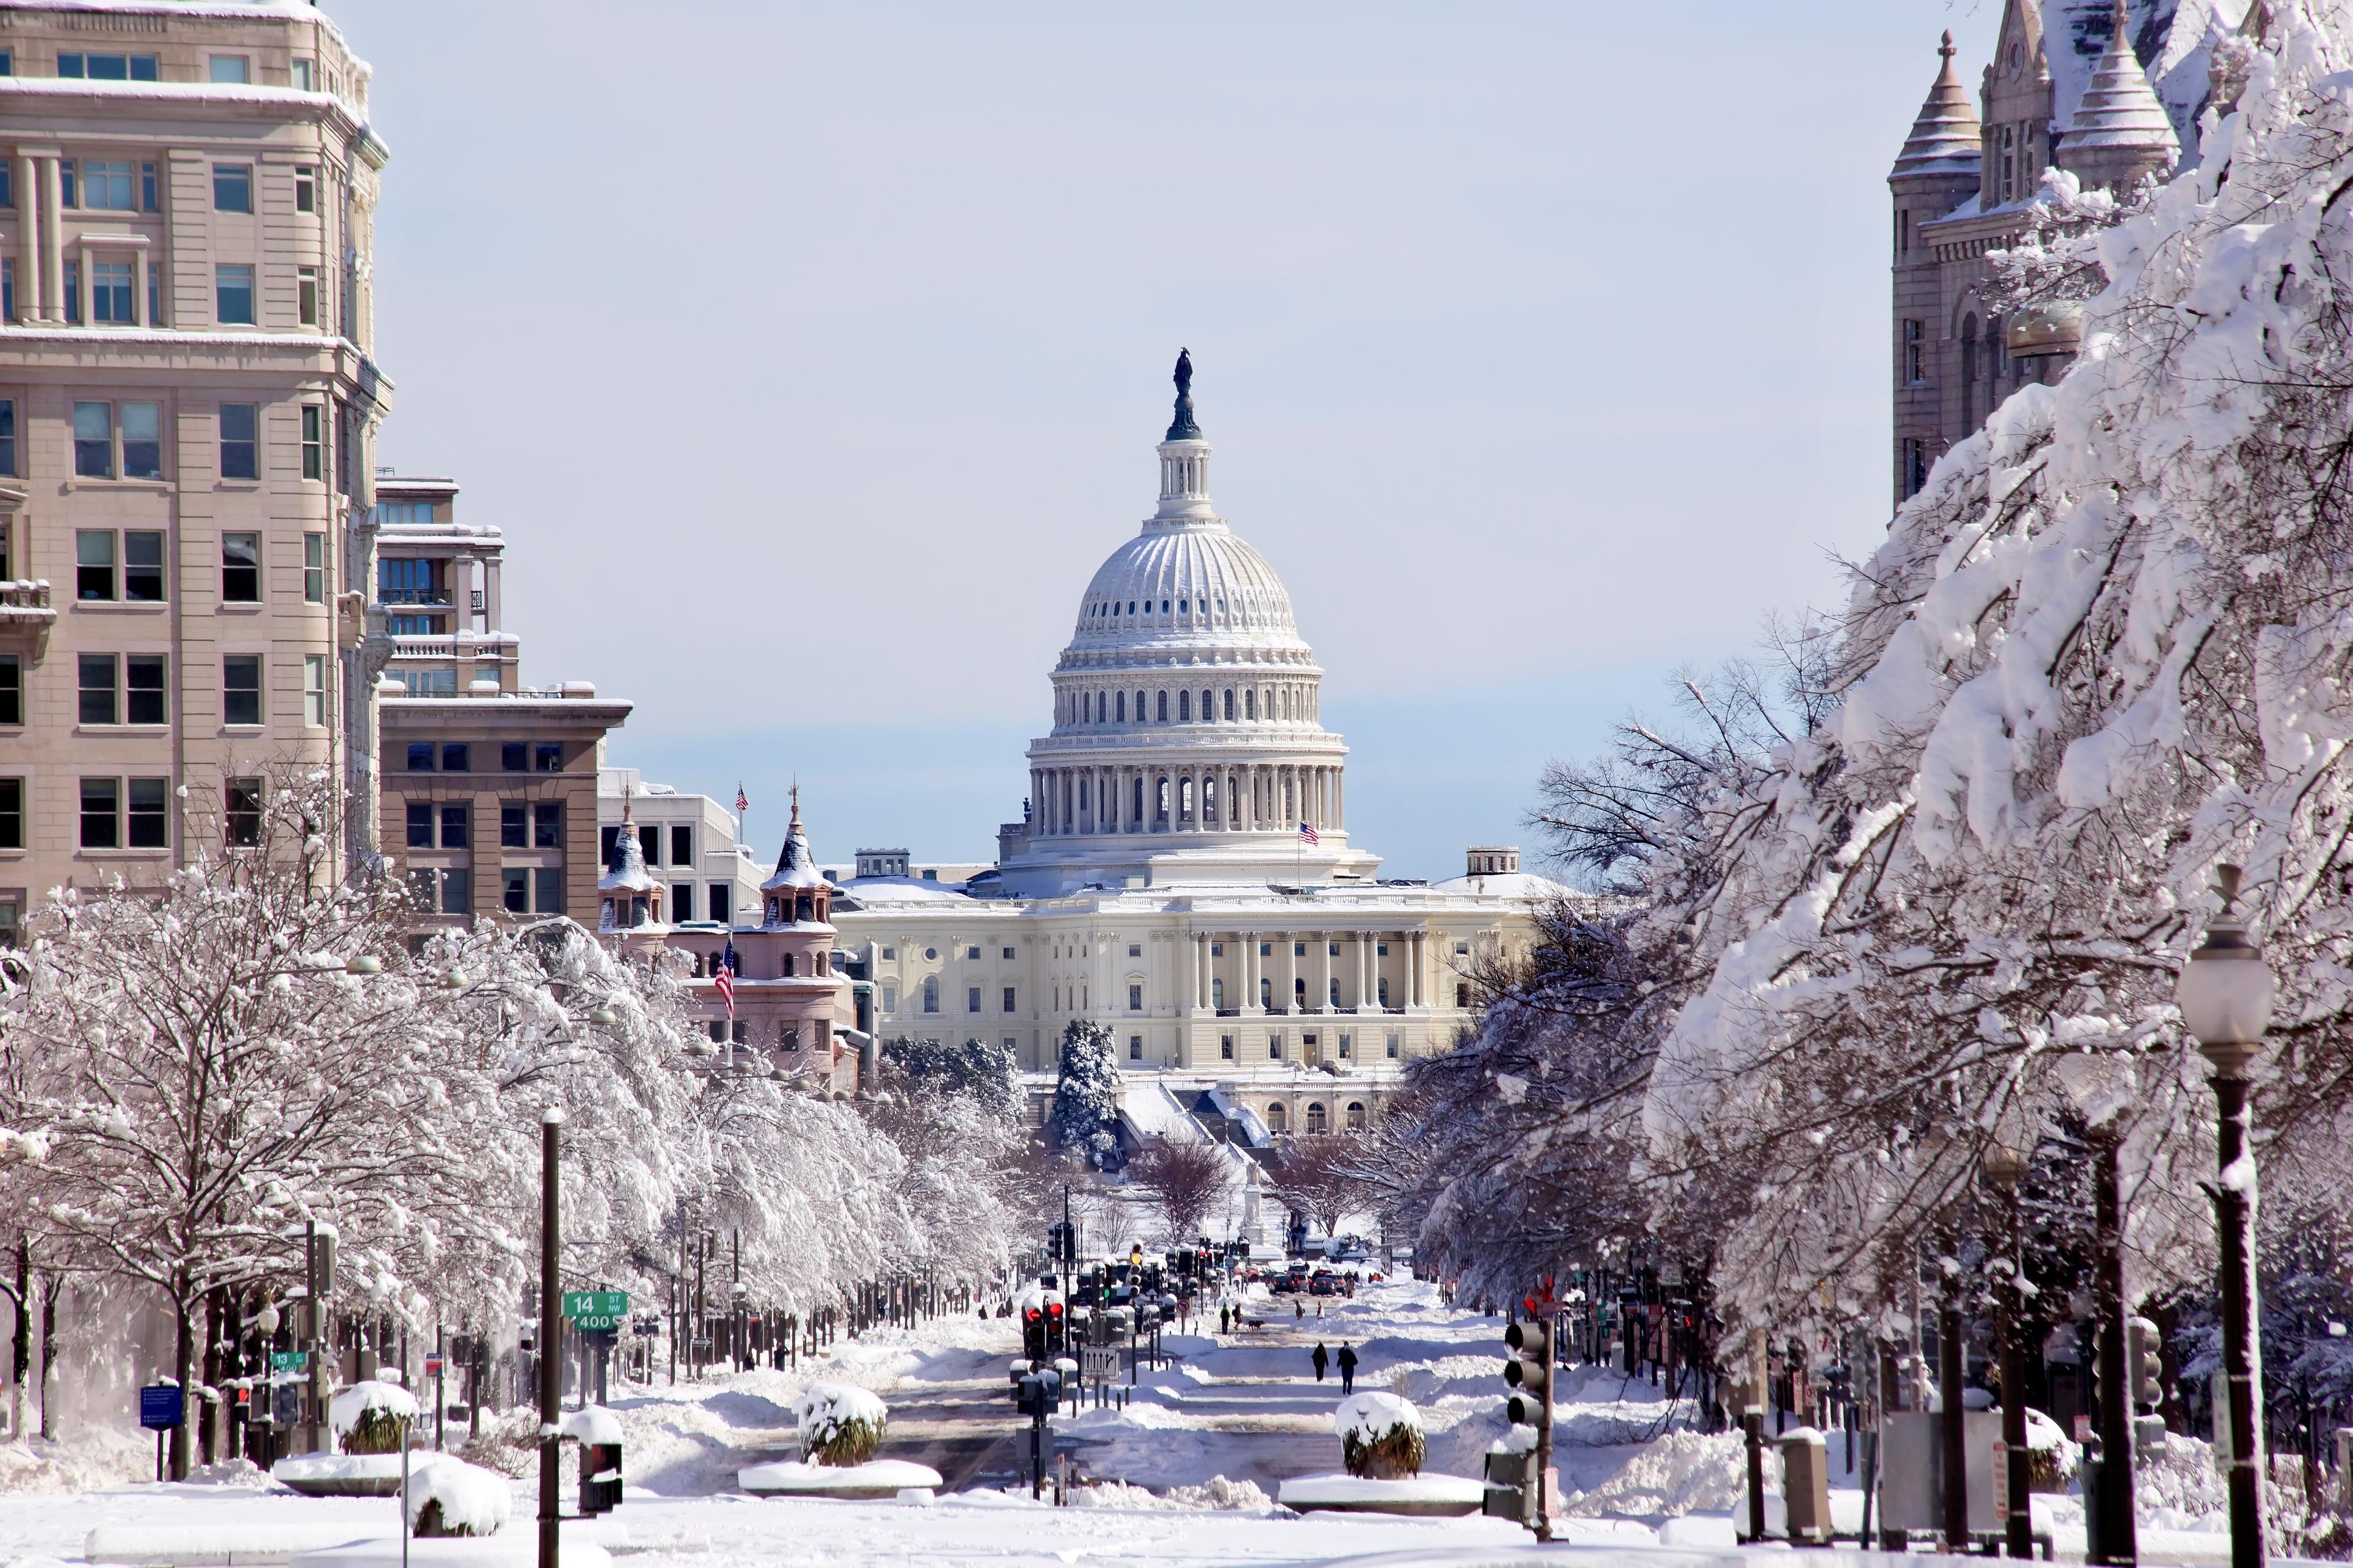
1323	1358
1347	1368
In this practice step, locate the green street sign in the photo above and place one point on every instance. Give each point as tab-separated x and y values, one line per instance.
289	1360
595	1312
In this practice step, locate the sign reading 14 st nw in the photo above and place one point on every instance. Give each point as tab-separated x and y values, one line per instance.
597	1312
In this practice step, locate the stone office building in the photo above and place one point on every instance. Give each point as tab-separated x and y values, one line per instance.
187	401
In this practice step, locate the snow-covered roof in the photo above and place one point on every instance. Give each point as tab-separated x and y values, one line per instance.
795	867
2174	37
1524	887
626	872
1154	1112
872	890
1944	137
2118	107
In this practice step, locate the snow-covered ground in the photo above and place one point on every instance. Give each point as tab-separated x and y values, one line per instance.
1185	1473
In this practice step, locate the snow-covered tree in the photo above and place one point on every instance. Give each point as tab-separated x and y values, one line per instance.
984	1070
1189	1184
1084	1119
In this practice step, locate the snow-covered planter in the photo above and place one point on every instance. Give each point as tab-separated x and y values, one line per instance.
841	1425
2052	1459
369	1417
340	1475
448	1496
874	1478
1380	1436
1440	1497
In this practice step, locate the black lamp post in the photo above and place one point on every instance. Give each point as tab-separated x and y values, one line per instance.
2005	1167
2226	992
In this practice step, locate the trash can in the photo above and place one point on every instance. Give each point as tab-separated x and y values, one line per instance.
1806	1485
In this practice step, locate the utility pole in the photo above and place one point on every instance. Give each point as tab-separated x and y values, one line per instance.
551	1366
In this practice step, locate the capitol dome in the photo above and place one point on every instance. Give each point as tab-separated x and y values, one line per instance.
1188	742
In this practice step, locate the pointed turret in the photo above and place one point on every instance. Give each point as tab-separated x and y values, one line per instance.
1944	138
798	890
628	892
2119	131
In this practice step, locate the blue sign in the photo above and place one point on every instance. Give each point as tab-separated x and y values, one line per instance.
161	1406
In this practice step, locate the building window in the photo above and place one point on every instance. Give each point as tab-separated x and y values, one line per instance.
516	889
306	296
681	906
231	70
649	843
233	293
972	998
931	993
243	814
1135	1047
420	825
889	998
97	690
93	564
1348	1045
240	440
241	689
1274	1047
1915	349
107	186
93	438
101	813
1225	1048
143	566
12	817
547	890
513	757
1135	998
1265	994
145	699
1162	708
457	891
1462	994
681	844
889	953
515	826
550	756
457	822
721	899
457	757
420	756
1009	1000
314	568
12	688
241	568
547	825
107	68
306	185
9	416
314	691
149	821
112	301
314	442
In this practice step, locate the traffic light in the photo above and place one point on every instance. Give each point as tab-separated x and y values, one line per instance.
1516	1464
1033	1333
2144	1347
1057	1330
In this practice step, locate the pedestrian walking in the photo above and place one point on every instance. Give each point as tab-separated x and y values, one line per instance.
1299	1310
1225	1318
1347	1368
1322	1359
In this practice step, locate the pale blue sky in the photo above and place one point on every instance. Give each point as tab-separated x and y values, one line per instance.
812	358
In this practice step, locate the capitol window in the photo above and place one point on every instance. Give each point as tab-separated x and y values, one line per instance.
1123	707
1164	708
1183	707
1250	704
1230	704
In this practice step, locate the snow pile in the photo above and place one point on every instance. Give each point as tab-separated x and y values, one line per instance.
91	1460
448	1496
1681	1472
840	1424
593	1424
1216	1495
873	1479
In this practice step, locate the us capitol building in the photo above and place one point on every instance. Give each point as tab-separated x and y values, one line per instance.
1183	873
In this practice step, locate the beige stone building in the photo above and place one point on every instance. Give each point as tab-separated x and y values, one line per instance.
2110	92
186	405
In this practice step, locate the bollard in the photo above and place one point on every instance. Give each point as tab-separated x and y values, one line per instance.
1806	1485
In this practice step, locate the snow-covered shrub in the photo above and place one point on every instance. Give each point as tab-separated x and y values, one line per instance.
2053	1459
1085	1114
841	1423
370	1418
448	1496
1380	1436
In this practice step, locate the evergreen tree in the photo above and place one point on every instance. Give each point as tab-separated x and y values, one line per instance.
1086	1101
986	1073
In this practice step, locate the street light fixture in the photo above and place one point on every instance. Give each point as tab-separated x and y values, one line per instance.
2226	993
364	964
2005	1164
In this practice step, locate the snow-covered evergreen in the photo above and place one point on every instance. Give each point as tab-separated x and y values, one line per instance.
1085	1116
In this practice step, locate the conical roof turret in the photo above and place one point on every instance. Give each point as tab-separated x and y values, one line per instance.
795	867
2119	111
626	871
1944	137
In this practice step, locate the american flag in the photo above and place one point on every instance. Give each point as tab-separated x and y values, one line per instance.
1307	834
742	804
724	977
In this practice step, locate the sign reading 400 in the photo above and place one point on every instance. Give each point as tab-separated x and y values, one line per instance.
597	1312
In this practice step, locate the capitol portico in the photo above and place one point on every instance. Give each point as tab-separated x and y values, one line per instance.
1160	882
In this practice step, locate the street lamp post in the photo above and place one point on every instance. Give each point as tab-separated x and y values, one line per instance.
2005	1166
2226	993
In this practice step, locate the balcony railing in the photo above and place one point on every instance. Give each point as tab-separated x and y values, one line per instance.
482	647
413	596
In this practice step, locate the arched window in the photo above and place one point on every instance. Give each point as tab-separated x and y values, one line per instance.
1185	799
1137	815
931	993
1266	992
1336	993
1299	992
1083	792
1230	704
1183	707
1123	707
1316	1117
1139	707
1161	707
1355	1116
1385	990
1209	799
1277	1121
1208	706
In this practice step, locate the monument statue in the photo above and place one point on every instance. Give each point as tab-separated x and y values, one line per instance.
1182	427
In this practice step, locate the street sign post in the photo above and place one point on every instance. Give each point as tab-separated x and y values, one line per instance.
597	1312
290	1360
161	1406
